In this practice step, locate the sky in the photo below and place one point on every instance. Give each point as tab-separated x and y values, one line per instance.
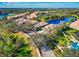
39	4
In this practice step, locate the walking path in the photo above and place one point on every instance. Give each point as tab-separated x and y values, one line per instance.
57	46
73	38
33	44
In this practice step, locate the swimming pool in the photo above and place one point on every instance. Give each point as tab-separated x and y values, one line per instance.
75	45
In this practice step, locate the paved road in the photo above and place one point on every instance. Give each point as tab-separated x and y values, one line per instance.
46	52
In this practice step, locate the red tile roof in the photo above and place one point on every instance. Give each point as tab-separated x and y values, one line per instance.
75	25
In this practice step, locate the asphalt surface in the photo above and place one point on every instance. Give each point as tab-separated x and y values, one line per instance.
46	52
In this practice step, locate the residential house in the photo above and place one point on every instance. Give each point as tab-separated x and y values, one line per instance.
75	25
40	24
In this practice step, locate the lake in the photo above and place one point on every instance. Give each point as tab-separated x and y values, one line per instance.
3	15
57	21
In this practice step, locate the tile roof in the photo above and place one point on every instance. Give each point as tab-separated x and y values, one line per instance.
75	25
40	24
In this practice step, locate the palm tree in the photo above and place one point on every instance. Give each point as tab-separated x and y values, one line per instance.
14	45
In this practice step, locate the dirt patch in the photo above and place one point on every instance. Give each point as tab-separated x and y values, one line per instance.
34	52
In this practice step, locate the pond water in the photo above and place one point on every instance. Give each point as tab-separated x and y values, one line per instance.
54	21
68	18
57	21
3	15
